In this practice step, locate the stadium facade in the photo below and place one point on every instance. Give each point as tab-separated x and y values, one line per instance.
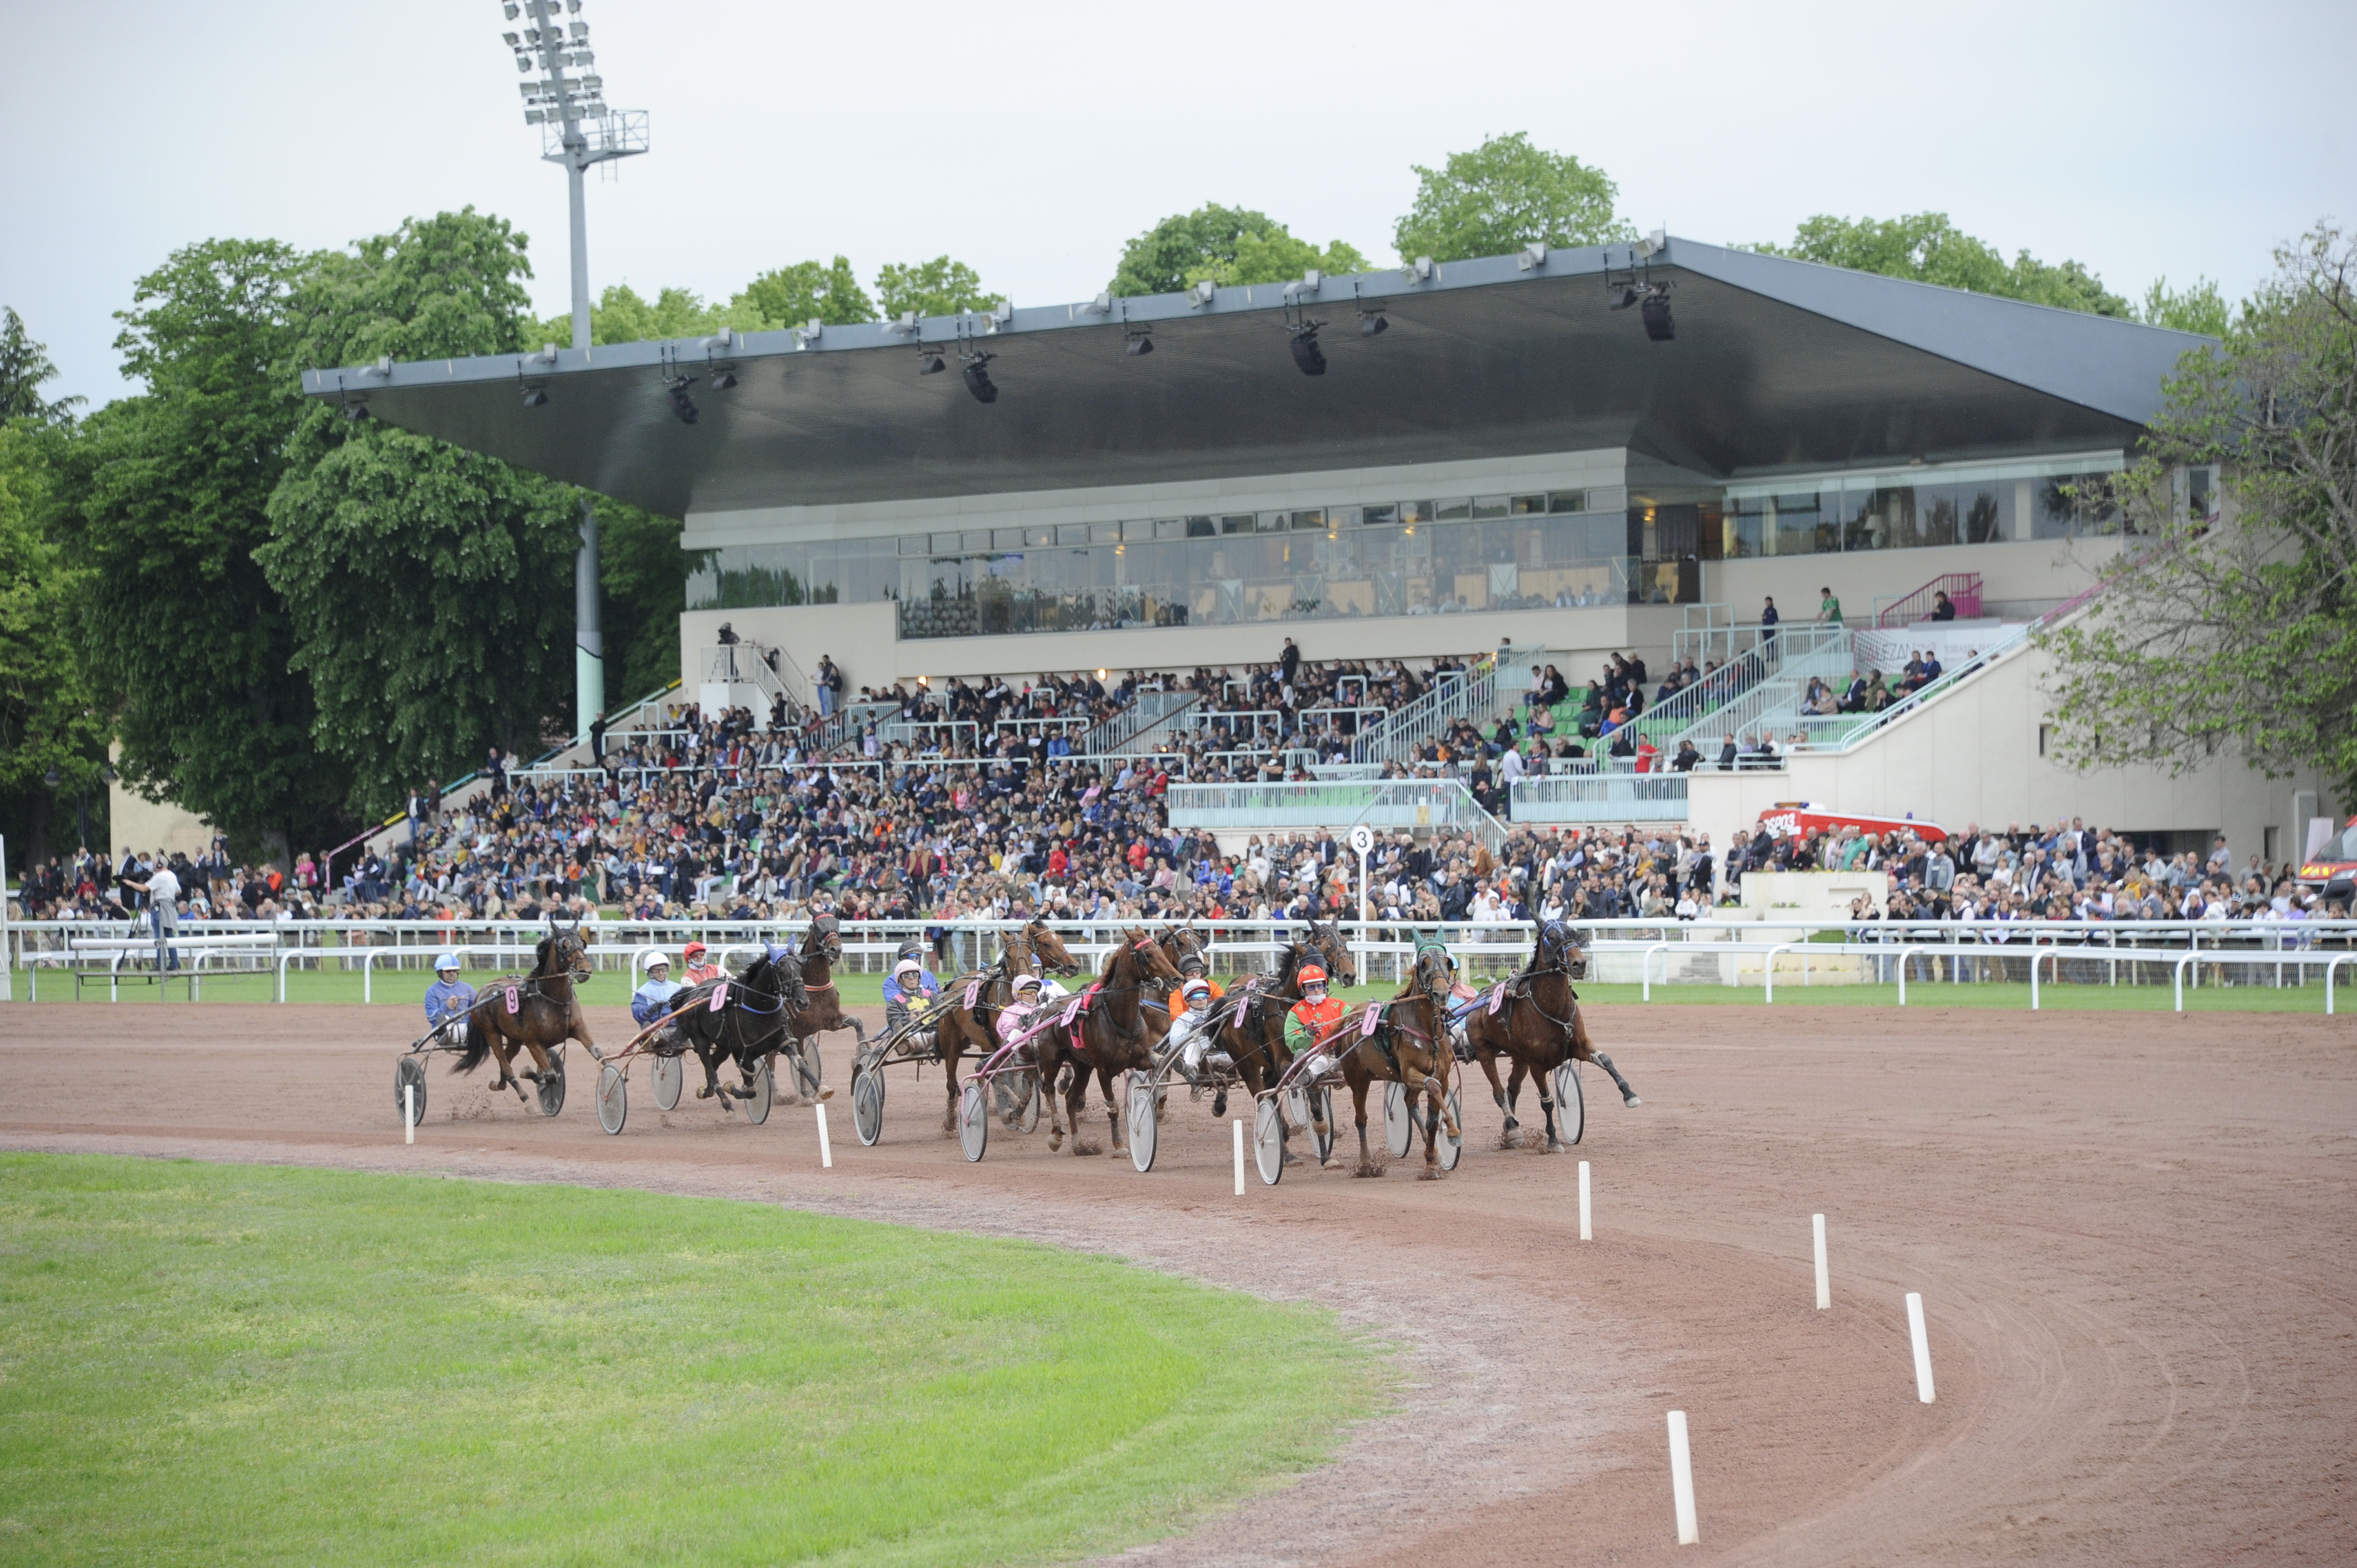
1582	451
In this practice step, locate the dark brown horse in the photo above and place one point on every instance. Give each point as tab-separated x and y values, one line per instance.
1538	1025
1035	950
1410	1046
533	1013
1110	1032
740	1019
815	1008
1252	1030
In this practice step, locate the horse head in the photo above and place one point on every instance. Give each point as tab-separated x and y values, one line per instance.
825	939
1190	948
565	950
1153	960
1048	948
1327	938
1559	949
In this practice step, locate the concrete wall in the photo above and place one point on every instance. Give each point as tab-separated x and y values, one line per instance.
148	825
1975	757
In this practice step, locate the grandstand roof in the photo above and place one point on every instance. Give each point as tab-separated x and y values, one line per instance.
1776	364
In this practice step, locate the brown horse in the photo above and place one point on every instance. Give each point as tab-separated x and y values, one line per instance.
1252	1030
815	1007
1538	1025
531	1012
1034	949
1110	1035
1410	1046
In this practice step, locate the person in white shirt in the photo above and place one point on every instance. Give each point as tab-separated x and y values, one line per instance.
163	890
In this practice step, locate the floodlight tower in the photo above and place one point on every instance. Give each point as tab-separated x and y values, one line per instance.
577	130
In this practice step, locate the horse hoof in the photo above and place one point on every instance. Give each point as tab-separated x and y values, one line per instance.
1079	1147
825	1093
1554	1146
1632	1100
1219	1104
1506	1139
1430	1173
1368	1168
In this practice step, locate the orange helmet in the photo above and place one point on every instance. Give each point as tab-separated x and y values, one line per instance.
1312	974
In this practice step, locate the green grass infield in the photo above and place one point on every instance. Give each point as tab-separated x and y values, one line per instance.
216	1365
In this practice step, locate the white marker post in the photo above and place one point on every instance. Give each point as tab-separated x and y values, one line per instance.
1239	1126
1586	1217
1825	1278
1682	1481
409	1113
825	1150
1923	1347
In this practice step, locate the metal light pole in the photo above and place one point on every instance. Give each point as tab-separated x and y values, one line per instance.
576	131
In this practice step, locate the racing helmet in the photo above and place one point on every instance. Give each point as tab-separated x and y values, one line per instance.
655	957
445	961
1196	987
1024	983
693	950
1312	974
907	966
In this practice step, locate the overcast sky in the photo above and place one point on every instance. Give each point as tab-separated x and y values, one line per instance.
1031	140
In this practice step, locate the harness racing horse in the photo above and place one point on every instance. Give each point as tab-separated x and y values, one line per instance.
533	1012
814	1006
1537	1022
739	1020
1410	1046
1103	1031
1253	1032
1034	949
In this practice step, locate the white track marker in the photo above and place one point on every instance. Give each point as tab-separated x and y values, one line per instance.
409	1113
1923	1347
1239	1125
1825	1278
1682	1479
1587	1224
825	1150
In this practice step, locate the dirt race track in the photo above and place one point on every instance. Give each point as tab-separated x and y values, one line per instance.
2133	1235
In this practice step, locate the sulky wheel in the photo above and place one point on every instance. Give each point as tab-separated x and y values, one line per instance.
1322	1102
409	1090
552	1084
1451	1150
1033	1096
613	1098
1143	1127
1399	1122
1268	1141
1570	1105
765	1092
868	1104
667	1076
973	1120
810	1073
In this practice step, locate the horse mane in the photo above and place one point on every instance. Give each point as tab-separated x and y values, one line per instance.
543	955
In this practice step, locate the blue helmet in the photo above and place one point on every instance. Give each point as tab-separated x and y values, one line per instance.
446	959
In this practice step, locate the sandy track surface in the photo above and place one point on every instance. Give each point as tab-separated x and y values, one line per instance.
2133	1235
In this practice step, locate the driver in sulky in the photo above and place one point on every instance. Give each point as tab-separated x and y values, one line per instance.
449	999
1313	1017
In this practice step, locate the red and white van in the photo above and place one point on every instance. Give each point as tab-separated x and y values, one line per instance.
2333	866
1787	818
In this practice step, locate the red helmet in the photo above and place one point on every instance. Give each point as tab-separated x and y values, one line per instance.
1311	975
694	950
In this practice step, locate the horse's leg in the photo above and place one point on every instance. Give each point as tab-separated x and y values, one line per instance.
508	1075
1113	1109
1359	1083
711	1061
1076	1098
950	1042
1487	1055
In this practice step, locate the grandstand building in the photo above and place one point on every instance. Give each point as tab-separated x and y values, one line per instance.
1569	452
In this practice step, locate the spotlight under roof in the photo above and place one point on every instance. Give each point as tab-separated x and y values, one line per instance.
977	379
1307	354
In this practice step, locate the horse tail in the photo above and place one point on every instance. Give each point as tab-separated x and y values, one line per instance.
479	1045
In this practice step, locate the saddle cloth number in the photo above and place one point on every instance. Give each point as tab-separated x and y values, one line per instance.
719	997
515	1000
972	994
1374	1017
1497	997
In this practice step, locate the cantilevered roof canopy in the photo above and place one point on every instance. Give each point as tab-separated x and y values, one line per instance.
1776	364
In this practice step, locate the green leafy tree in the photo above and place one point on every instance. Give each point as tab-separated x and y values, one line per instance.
1506	194
431	587
620	316
645	575
2199	307
1928	248
790	296
2233	627
47	720
189	645
24	367
1229	246
938	287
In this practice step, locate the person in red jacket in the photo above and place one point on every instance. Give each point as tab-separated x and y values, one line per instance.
1315	1015
698	971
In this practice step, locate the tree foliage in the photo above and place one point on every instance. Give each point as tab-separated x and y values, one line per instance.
47	720
24	367
2199	307
805	292
2236	628
188	644
431	587
1228	245
938	287
1928	248
1506	194
644	573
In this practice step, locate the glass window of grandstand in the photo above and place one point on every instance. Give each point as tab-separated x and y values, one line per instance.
1886	511
1347	561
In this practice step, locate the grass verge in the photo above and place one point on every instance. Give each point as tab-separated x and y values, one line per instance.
218	1365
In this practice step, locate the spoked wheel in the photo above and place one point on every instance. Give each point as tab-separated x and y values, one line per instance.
613	1098
552	1084
409	1090
1399	1122
810	1073
1143	1128
1268	1141
667	1076
1570	1105
1324	1140
1030	1119
765	1094
868	1104
1451	1150
973	1120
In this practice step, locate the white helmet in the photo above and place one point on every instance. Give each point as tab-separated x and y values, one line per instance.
654	956
1195	986
908	966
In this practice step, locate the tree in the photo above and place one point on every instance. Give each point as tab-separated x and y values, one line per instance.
2199	307
791	297
1506	194
189	646
47	722
1928	248
2234	628
938	287
432	588
1229	246
644	573
24	366
620	316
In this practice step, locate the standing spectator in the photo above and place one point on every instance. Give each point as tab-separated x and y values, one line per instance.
829	685
416	814
1768	621
1289	665
163	890
1828	607
597	739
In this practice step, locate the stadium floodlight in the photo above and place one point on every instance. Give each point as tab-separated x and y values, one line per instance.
1139	343
681	405
977	377
1656	312
1372	324
577	130
929	362
1306	352
535	397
